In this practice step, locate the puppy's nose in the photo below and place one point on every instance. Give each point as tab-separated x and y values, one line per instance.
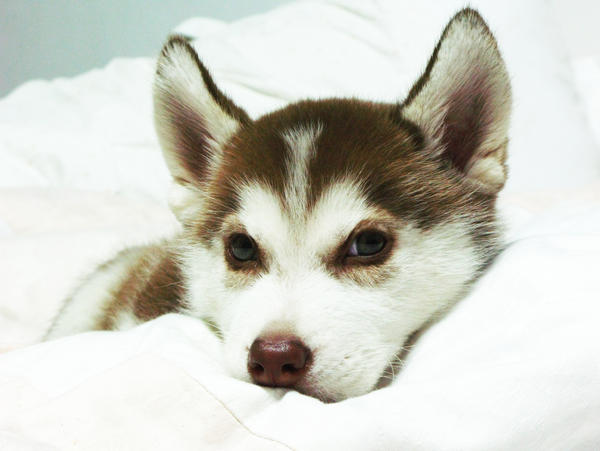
278	361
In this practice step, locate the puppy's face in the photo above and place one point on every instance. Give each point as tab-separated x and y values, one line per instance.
319	237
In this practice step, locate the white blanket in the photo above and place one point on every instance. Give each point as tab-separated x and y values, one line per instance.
516	365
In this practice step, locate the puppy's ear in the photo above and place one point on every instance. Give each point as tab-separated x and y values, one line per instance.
193	118
462	102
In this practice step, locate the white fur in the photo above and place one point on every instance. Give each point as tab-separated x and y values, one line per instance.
185	201
302	146
181	79
82	312
126	320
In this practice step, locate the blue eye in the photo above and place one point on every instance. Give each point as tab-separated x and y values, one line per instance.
242	247
366	244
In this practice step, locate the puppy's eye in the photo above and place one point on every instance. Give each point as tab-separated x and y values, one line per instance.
242	247
367	243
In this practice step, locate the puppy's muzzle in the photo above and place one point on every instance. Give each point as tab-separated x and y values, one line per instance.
278	361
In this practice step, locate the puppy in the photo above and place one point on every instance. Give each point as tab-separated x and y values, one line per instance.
316	239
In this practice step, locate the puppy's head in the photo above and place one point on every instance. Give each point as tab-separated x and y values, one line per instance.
319	237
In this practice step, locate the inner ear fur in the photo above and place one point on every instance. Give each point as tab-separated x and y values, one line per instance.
462	102
193	118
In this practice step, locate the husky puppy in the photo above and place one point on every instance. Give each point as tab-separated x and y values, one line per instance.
316	239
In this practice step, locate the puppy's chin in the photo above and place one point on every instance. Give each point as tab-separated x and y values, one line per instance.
319	393
327	395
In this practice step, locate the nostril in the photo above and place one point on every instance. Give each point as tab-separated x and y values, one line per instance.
288	368
256	367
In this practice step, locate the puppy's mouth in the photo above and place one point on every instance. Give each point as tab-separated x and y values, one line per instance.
391	371
397	363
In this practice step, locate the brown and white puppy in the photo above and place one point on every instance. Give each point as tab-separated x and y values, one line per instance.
317	238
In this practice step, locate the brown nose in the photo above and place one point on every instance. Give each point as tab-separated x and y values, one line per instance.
278	361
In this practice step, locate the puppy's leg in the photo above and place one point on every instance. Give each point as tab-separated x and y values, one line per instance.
139	284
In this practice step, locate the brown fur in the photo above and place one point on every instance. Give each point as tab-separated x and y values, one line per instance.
153	286
363	141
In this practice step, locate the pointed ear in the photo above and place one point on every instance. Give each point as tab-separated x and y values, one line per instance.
462	102
193	118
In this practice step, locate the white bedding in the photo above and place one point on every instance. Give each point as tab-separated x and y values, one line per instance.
516	365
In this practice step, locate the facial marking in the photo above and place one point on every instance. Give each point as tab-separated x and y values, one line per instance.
302	146
262	216
339	209
319	242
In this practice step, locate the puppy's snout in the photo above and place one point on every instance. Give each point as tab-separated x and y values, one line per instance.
278	361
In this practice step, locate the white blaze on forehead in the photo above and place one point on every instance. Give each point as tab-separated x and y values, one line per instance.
335	214
262	215
301	142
